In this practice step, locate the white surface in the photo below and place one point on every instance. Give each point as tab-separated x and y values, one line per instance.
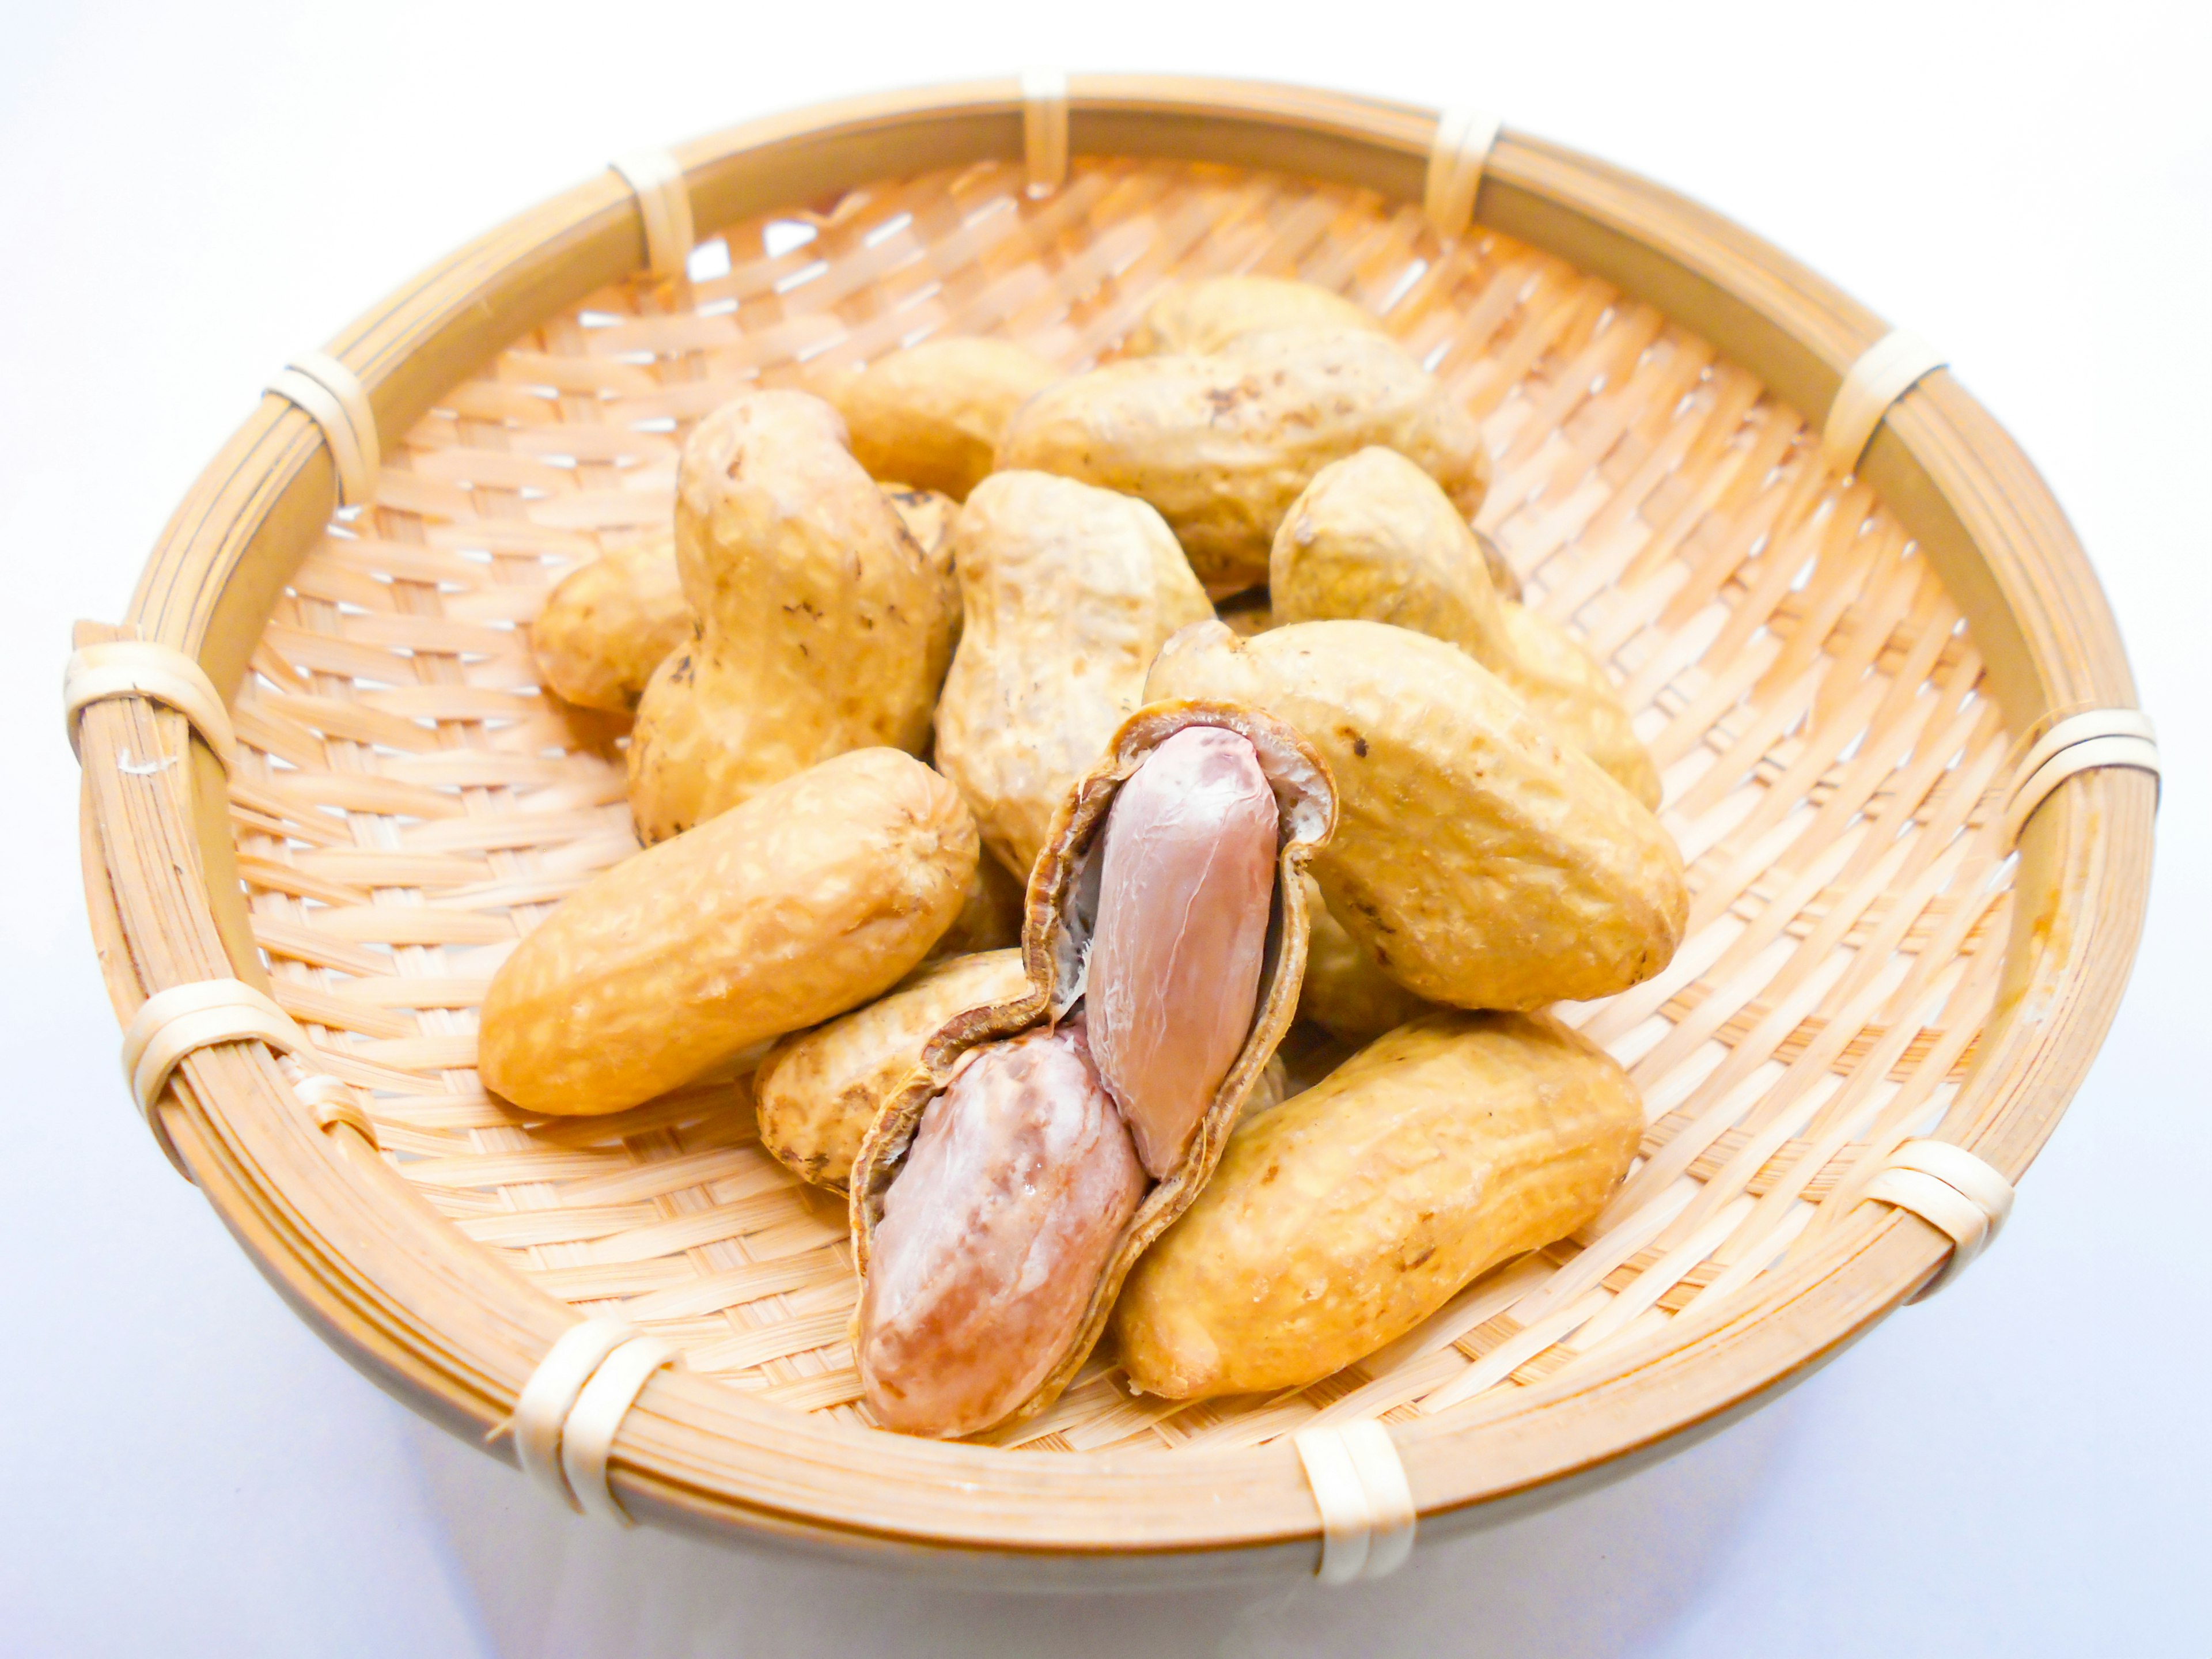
192	194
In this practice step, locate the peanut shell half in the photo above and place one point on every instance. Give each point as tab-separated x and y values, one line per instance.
1055	944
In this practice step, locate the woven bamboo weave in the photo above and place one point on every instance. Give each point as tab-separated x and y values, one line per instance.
408	804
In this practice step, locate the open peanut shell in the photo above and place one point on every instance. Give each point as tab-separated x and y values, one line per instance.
1062	908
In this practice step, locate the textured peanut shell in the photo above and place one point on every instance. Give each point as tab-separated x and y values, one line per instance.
1482	862
931	416
1222	444
1068	592
815	896
1342	1219
607	626
816	1091
1055	939
1207	314
1373	537
821	627
1346	992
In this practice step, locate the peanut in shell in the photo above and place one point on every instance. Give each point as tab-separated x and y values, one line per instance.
931	416
1373	537
1211	312
817	1090
1222	443
822	626
1345	1217
1068	592
1482	862
1346	992
815	896
608	625
1056	942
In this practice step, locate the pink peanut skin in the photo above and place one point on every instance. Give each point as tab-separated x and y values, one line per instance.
1016	1189
1182	928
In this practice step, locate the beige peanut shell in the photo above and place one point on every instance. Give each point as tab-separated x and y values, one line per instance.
1068	592
607	626
931	416
1054	942
1372	537
1206	314
1482	862
822	626
1222	444
1339	1220
813	897
1346	992
817	1090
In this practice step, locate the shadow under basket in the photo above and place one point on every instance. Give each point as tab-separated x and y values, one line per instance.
1854	660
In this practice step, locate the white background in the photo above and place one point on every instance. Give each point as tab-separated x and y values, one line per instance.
190	194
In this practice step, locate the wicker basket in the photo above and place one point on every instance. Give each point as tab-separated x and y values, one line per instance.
1842	664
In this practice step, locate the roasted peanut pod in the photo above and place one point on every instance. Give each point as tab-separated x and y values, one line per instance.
816	1091
1346	992
1207	314
812	897
1069	592
606	627
1482	862
968	1384
821	627
1222	444
1345	1217
931	416
1373	537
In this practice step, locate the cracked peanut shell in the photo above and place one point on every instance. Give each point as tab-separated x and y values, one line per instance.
1056	942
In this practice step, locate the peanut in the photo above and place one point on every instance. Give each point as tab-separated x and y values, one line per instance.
608	625
1481	862
822	628
1345	1217
1222	444
817	1090
1372	537
813	897
1068	592
1189	853
1346	992
931	416
1206	315
1015	1192
944	1347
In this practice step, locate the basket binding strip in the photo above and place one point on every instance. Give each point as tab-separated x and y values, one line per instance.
1809	999
331	395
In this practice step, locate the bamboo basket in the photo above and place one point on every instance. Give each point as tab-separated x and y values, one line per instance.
1839	668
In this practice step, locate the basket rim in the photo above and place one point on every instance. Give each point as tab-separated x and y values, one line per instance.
433	1319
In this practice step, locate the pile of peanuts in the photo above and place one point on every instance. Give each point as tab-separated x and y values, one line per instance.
1142	973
